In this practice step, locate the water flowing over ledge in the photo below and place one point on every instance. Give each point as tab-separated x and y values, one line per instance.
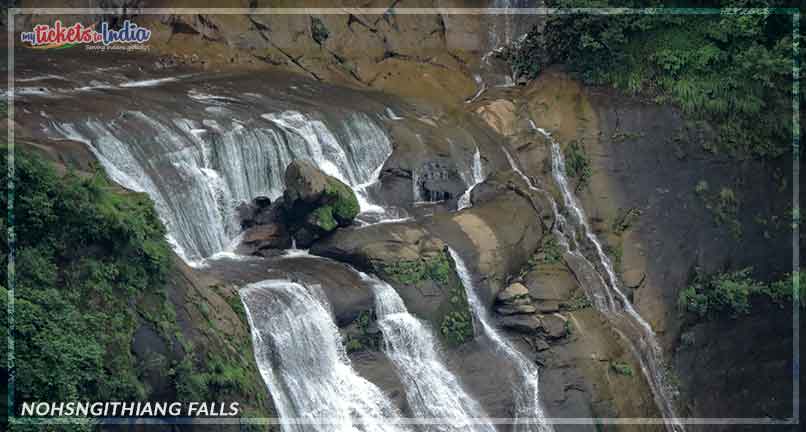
197	172
304	366
604	294
431	390
528	414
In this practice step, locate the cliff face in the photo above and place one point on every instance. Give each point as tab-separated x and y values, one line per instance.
653	196
432	56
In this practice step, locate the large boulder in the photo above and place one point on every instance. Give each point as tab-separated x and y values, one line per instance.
262	239
315	203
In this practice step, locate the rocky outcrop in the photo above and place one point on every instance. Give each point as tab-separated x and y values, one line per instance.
264	240
315	203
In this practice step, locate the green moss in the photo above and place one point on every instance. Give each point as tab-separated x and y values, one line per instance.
343	201
577	164
577	302
457	327
323	218
622	368
723	205
407	272
362	339
410	272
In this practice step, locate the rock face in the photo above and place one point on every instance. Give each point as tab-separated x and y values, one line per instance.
315	203
264	240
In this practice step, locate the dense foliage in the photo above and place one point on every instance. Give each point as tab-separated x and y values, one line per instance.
732	292
81	252
92	266
733	69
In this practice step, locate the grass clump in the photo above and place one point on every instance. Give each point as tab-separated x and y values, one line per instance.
577	164
622	368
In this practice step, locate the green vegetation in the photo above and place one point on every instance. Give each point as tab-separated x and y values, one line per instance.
410	272
577	302
344	203
723	205
731	292
456	325
362	339
92	267
84	255
621	368
732	69
615	252
319	32
322	217
552	252
577	164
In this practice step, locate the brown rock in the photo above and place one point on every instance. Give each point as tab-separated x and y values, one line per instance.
513	291
528	323
633	278
515	309
500	115
261	237
554	326
304	182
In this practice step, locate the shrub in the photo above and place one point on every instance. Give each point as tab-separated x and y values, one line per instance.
734	70
319	32
577	164
732	292
85	253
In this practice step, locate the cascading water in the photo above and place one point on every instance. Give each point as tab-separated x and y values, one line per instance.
304	365
604	294
198	172
528	414
626	320
476	177
432	391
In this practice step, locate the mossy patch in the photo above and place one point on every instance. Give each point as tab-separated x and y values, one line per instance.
322	217
456	324
359	337
622	368
343	202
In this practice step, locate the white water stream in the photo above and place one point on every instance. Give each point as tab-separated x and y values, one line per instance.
602	286
432	391
300	355
528	413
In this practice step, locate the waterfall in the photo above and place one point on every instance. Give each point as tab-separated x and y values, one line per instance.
528	412
299	352
605	296
197	172
627	322
432	391
476	177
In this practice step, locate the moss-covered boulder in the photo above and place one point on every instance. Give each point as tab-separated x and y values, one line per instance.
316	203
